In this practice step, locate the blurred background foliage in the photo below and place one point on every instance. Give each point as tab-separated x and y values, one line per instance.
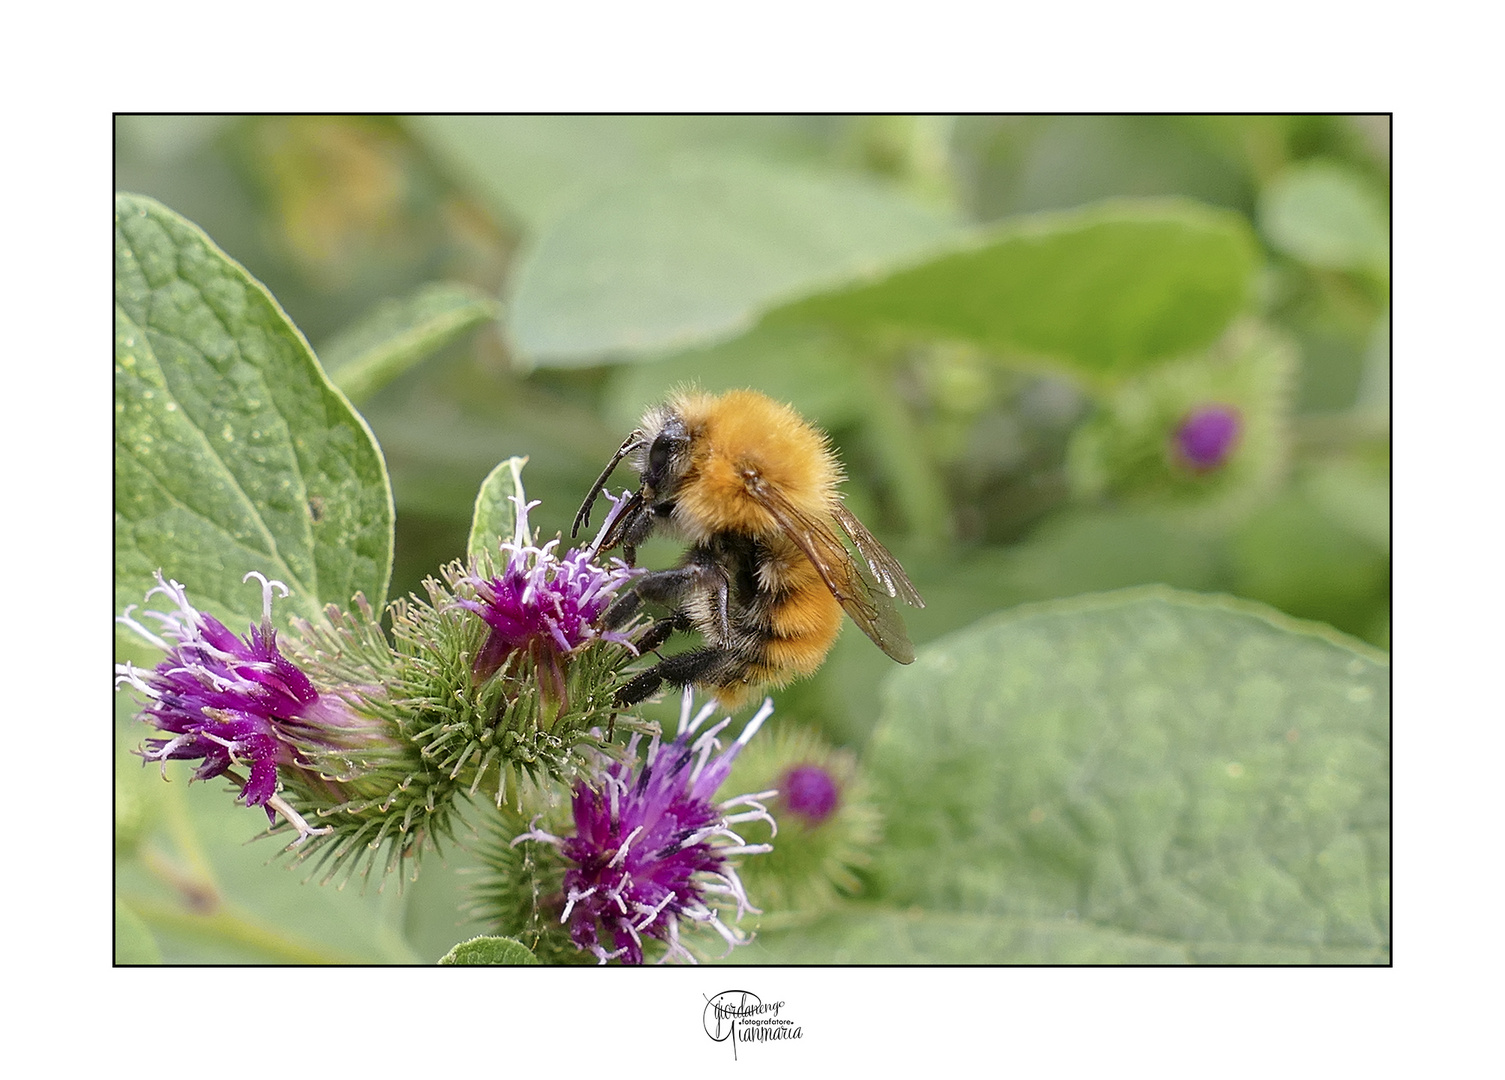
556	274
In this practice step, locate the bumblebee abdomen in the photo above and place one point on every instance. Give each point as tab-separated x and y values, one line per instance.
800	629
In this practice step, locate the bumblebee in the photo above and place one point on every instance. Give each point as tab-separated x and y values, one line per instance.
753	488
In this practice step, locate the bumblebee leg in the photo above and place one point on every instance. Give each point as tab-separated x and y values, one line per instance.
671	587
697	665
659	632
622	609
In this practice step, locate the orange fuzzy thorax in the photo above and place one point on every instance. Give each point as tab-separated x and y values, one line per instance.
742	431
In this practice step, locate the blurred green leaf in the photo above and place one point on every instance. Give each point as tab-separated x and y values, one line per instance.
1355	494
1326	559
496	514
875	935
134	943
232	450
1105	291
535	167
1374	385
814	370
397	334
1323	213
1054	162
1143	768
696	253
489	950
1074	551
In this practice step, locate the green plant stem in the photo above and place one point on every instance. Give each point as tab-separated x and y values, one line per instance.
225	924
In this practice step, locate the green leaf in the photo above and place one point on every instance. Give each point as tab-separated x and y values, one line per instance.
397	334
1152	766
495	517
232	450
1354	494
489	950
535	167
816	371
1317	553
1104	291
1325	214
694	254
875	935
134	943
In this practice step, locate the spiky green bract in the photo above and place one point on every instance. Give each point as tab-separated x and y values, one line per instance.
519	888
383	795
1132	451
455	737
813	863
498	733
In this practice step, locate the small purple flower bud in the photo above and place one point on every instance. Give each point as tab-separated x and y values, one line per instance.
810	793
1207	436
651	849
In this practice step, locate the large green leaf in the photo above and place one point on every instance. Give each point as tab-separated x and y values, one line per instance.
1140	768
813	369
876	935
535	167
1106	291
696	252
232	450
399	333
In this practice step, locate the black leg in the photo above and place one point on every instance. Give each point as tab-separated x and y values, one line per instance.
660	632
697	665
622	609
671	588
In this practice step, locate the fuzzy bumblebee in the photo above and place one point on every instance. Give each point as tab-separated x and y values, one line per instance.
754	490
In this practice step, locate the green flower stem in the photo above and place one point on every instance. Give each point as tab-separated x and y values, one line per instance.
198	873
226	924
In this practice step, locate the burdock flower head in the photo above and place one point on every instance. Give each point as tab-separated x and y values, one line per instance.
543	605
651	848
236	703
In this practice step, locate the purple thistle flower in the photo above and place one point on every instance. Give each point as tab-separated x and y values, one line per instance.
232	701
1207	435
650	847
810	793
544	605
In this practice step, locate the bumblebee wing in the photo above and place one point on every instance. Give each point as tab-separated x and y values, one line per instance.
885	568
867	602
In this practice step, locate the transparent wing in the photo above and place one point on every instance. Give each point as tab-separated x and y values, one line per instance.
868	603
886	569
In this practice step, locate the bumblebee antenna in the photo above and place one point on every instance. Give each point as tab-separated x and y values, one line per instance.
583	515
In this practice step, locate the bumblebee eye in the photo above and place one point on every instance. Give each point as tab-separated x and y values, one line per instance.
658	458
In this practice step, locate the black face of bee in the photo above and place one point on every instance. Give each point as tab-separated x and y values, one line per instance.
666	459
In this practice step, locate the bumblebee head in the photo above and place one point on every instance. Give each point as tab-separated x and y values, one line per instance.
659	450
662	458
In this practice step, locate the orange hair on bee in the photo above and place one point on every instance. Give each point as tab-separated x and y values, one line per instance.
742	432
